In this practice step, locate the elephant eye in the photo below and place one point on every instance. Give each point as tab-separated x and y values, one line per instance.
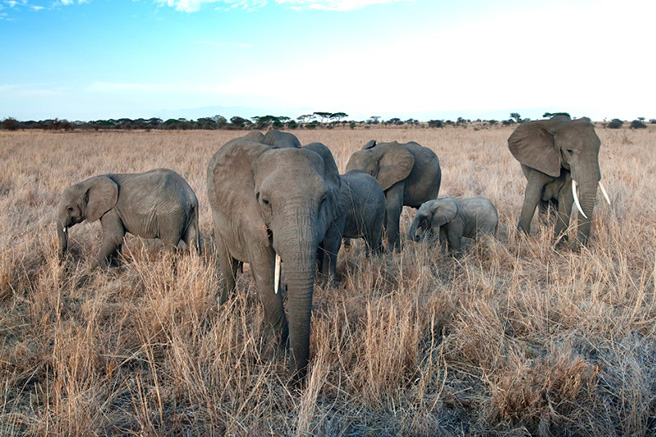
69	209
569	151
262	199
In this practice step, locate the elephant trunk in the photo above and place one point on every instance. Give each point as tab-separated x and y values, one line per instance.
62	234
297	247
413	234
587	196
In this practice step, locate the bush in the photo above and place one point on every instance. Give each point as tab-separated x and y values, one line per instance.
637	124
435	123
615	123
10	123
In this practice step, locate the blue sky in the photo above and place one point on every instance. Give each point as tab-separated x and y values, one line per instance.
425	59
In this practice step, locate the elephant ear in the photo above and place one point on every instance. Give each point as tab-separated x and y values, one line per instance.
370	144
444	210
230	181
101	195
532	144
394	164
331	174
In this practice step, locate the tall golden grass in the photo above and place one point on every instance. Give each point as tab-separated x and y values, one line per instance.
511	338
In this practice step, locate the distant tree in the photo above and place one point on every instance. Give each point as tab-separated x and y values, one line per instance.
323	116
492	122
206	123
292	124
435	123
412	121
615	123
555	114
508	122
239	122
652	120
516	116
304	118
394	121
10	123
220	121
638	124
312	125
337	116
374	119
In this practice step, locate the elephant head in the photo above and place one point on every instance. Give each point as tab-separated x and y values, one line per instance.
558	147
432	214
87	200
389	163
282	202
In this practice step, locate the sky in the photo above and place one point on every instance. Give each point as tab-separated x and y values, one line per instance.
422	59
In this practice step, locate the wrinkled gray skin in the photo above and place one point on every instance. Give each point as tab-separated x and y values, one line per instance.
453	219
409	174
362	202
281	139
267	201
156	204
552	153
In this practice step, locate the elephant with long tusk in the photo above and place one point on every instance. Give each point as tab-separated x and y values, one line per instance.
560	159
273	205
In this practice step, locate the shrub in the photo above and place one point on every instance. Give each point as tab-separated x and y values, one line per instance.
615	123
637	124
10	123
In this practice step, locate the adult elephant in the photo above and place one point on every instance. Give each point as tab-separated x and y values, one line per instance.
271	205
557	154
155	204
409	174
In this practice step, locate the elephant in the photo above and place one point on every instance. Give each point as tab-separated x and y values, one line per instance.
155	204
362	202
453	219
273	205
277	138
409	174
555	154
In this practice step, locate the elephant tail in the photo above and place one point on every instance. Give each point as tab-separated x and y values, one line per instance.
192	234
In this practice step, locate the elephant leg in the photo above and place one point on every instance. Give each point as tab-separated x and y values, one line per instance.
262	266
228	267
532	196
393	211
373	238
113	233
454	236
331	244
565	202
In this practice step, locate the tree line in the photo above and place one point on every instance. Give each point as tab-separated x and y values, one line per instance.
317	119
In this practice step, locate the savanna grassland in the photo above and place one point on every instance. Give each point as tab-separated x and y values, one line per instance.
512	338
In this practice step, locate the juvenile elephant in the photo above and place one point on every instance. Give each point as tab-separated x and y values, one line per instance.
409	174
271	205
453	219
156	204
362	202
557	154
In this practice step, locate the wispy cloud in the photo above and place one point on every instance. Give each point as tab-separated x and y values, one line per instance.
328	5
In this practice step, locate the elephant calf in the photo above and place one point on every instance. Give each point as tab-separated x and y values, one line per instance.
453	219
156	204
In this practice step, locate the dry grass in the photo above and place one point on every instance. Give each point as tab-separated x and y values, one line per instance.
512	338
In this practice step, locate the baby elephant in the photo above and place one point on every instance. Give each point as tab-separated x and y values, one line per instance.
156	204
453	219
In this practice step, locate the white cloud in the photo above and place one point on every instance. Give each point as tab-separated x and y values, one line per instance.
332	5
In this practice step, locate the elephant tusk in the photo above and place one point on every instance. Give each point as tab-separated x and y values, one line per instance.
603	191
576	199
64	229
276	274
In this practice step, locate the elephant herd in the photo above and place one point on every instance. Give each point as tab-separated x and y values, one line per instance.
279	205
